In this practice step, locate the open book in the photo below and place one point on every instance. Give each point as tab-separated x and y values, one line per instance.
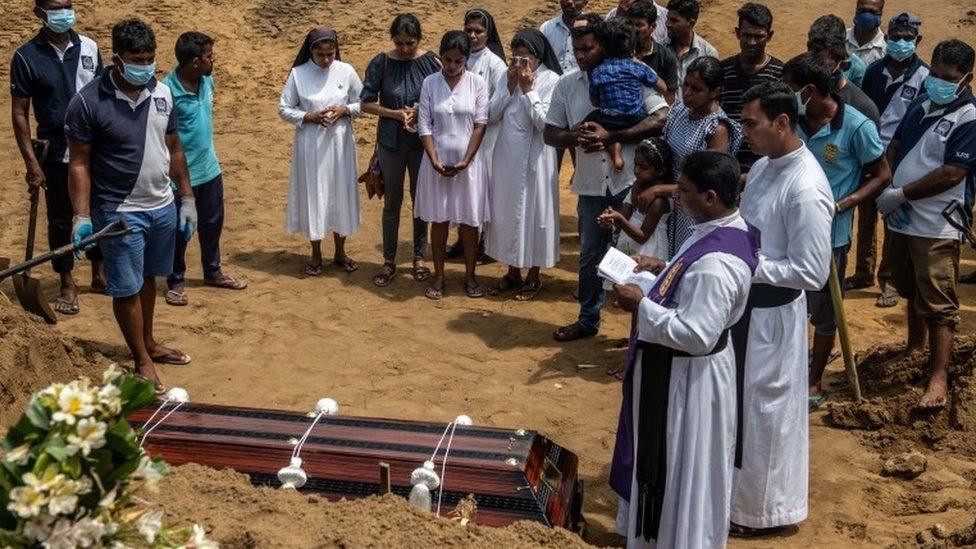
616	266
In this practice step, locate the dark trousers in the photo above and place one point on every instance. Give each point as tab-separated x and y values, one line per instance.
210	213
867	247
395	167
594	242
59	214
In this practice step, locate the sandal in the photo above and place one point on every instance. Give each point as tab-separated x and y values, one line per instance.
889	298
505	284
176	298
744	532
346	264
172	357
385	276
314	269
434	293
66	305
475	291
858	282
420	271
528	291
572	332
233	283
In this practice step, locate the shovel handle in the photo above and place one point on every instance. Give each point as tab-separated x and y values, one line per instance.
112	230
949	214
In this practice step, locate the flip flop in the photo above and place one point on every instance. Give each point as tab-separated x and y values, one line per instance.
504	284
888	298
229	282
313	269
420	272
816	401
528	291
173	357
434	292
346	264
386	276
475	291
176	298
571	332
66	305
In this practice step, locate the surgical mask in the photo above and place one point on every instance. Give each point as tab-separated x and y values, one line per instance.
801	105
867	21
941	92
60	20
138	75
900	50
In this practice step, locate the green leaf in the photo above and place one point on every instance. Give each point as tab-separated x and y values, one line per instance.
121	440
136	393
73	466
38	415
55	448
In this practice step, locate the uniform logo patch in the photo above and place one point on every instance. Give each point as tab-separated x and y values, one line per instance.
87	63
908	93
162	106
831	152
944	127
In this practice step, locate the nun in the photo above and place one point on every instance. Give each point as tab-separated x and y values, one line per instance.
524	184
320	99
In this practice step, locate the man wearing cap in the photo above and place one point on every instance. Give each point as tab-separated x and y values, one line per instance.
933	153
893	83
865	39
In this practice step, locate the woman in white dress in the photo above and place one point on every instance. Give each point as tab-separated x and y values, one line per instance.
524	231
320	98
453	183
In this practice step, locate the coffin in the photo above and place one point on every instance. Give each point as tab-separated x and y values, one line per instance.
513	474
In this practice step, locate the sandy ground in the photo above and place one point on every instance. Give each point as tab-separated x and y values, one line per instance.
290	340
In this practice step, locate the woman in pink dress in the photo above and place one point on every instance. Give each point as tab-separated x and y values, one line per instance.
453	183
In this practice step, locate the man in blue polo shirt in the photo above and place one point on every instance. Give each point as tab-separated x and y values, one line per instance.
933	153
846	144
125	149
193	92
46	72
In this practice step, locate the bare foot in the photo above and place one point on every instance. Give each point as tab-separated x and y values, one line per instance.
149	372
935	397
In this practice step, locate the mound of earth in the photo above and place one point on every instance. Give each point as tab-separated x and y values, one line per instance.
892	384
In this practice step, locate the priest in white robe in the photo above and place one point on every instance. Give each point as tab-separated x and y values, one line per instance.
672	464
788	204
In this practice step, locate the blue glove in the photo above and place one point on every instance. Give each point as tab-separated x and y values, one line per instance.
900	218
188	217
890	199
81	228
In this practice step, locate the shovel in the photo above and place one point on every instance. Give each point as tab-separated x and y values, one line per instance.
28	288
112	230
949	213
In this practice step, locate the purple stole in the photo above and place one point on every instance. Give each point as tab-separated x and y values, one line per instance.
656	379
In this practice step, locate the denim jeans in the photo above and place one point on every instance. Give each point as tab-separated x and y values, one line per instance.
396	166
594	243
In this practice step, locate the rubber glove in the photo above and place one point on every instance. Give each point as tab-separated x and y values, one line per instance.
81	228
188	217
900	218
890	199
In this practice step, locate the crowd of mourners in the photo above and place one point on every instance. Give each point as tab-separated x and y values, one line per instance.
732	182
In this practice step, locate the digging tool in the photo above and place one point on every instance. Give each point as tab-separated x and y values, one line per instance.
949	213
837	297
40	147
28	288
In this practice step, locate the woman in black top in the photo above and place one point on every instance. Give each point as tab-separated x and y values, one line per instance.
391	90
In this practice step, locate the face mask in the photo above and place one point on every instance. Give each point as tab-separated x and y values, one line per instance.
835	78
138	75
867	21
801	105
60	20
900	50
940	91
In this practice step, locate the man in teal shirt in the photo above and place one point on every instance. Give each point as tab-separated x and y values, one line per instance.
193	92
847	144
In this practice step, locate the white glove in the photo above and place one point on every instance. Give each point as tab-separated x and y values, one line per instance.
188	217
890	199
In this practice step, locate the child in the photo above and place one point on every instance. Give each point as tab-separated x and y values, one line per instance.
617	86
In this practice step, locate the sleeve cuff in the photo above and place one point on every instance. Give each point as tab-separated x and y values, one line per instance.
533	97
646	311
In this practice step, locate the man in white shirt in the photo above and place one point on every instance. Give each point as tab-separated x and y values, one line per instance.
660	34
595	181
558	32
686	44
787	201
865	39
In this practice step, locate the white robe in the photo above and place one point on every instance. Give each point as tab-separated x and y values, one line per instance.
493	69
524	185
323	196
710	299
789	200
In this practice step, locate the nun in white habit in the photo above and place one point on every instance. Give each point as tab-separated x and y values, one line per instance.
320	98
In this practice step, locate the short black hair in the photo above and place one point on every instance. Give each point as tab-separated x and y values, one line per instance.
808	69
709	70
756	14
133	36
687	9
828	33
594	25
190	46
657	152
775	99
455	40
618	39
954	53
406	23
716	171
643	10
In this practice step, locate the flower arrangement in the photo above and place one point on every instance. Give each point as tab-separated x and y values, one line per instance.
72	467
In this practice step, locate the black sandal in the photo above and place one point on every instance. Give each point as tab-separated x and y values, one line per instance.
385	276
571	332
420	272
505	284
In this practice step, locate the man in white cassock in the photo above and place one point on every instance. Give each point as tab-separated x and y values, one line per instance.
672	463
788	204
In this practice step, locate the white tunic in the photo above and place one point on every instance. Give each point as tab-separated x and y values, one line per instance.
323	196
710	299
524	193
789	200
493	69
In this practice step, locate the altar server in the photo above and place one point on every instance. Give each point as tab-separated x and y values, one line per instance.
787	202
676	437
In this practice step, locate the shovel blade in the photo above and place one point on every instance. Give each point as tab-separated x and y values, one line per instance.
32	298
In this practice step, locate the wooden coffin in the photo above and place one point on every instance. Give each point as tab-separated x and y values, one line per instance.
513	474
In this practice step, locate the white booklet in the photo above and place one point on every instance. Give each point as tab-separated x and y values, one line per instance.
616	266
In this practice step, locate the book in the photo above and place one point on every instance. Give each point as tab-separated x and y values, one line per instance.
616	266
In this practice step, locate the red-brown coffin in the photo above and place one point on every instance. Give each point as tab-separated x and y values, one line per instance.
513	474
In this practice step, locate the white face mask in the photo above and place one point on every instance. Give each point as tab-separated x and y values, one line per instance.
801	105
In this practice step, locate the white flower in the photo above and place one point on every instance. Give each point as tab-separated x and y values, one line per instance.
91	436
53	390
198	540
63	536
88	532
18	456
111	374
108	500
150	523
27	501
147	472
110	398
75	401
38	529
64	495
